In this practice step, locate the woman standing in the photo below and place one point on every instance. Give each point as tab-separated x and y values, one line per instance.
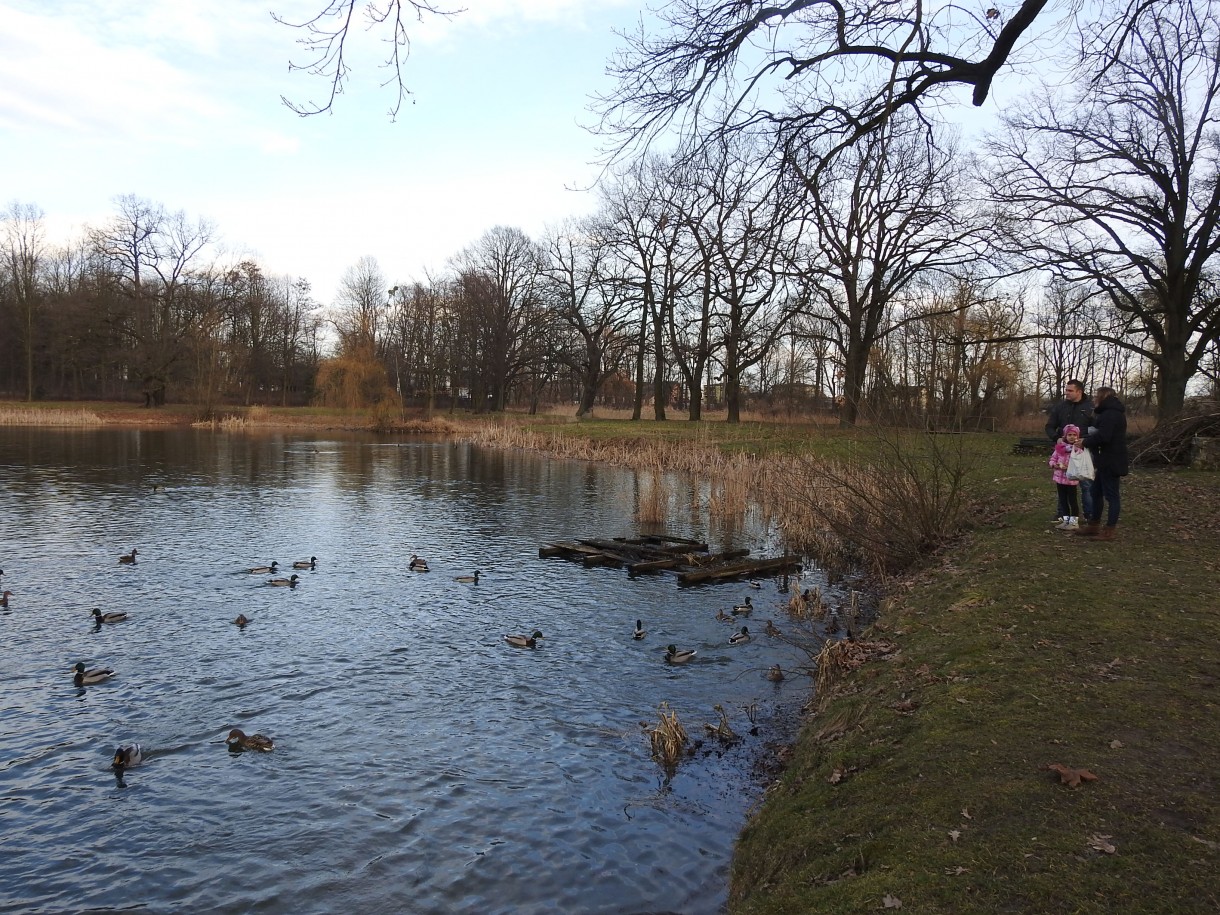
1107	441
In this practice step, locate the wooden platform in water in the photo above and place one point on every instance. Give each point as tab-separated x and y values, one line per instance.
666	553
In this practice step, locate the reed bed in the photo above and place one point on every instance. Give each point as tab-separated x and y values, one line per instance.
20	416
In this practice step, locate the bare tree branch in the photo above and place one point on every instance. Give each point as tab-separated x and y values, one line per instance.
325	41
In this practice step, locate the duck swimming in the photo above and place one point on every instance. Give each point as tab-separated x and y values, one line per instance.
241	621
265	570
639	630
723	617
743	609
740	638
115	616
311	563
92	675
284	582
775	674
240	740
129	558
4	598
524	641
674	656
417	565
127	757
468	579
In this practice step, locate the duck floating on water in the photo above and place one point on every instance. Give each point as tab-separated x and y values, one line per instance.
311	563
242	621
114	616
674	656
129	558
90	676
639	630
740	638
775	674
240	740
468	579
524	641
127	758
723	617
744	609
417	565
4	598
265	570
284	582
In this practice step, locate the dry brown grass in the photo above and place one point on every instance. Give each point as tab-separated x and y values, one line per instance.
21	416
668	739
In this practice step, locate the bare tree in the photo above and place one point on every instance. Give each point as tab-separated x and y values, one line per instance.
149	254
591	300
882	216
24	242
499	276
360	308
1122	192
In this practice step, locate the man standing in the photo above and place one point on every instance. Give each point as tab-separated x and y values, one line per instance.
1073	410
1108	443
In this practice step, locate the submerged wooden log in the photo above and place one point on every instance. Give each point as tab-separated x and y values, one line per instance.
738	570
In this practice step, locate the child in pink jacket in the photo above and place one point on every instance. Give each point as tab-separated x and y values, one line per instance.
1069	499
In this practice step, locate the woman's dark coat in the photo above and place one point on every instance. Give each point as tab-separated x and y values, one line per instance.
1108	441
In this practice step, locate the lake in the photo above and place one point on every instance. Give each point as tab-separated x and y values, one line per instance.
421	764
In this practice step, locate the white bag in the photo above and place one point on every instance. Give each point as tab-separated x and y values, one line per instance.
1080	465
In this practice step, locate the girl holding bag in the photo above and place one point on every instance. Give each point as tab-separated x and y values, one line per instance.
1068	487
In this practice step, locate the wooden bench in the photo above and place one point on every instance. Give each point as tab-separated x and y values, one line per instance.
1033	446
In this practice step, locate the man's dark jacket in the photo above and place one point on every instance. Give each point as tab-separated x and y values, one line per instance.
1109	443
1066	413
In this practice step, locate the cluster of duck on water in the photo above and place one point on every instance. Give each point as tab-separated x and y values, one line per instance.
676	655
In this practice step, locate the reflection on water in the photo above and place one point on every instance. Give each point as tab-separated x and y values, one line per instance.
421	764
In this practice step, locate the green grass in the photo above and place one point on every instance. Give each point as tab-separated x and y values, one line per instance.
1020	647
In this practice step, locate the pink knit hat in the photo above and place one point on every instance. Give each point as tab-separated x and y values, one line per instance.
1070	429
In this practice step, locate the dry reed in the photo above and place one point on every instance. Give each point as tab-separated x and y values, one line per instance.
18	416
722	731
668	739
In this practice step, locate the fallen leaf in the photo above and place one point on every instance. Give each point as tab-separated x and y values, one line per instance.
1101	843
836	776
891	902
966	813
955	871
955	834
1069	776
1116	744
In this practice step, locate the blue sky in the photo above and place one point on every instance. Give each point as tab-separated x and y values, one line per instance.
179	103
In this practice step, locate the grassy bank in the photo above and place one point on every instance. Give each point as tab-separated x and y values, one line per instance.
921	777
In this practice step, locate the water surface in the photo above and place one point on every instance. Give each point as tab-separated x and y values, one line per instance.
421	765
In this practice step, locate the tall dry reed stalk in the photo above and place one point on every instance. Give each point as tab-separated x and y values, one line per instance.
18	416
652	507
668	739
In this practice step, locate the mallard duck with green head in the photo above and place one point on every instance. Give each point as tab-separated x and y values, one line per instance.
639	630
265	570
114	616
240	740
310	563
285	582
524	641
90	676
740	638
674	656
744	609
129	558
468	579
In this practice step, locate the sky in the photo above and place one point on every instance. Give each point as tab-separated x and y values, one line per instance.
180	104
